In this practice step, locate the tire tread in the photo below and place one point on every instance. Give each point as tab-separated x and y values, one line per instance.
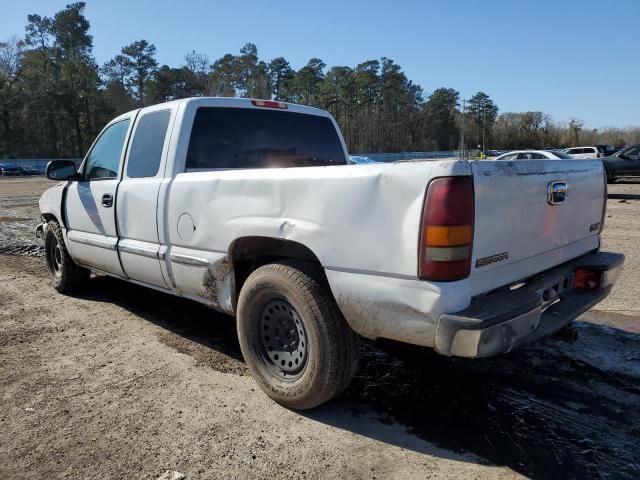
342	343
73	277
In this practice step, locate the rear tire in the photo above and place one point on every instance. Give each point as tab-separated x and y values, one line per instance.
298	346
66	276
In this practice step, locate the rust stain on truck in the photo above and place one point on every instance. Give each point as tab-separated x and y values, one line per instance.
218	282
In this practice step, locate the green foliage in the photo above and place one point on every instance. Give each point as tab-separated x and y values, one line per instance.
440	118
140	59
50	108
483	113
54	99
282	76
306	83
70	29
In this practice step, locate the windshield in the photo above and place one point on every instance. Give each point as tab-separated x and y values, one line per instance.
255	138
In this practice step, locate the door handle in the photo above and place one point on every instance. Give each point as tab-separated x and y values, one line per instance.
107	200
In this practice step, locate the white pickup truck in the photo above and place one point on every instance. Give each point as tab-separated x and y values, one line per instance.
251	207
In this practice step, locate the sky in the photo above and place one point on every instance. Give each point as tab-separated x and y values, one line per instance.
569	58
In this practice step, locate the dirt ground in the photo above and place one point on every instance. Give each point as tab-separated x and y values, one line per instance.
125	382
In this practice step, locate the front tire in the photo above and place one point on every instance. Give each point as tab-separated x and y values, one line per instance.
66	276
297	344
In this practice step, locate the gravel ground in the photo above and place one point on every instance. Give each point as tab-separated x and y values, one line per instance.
124	382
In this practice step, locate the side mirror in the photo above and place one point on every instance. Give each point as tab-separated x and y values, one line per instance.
62	170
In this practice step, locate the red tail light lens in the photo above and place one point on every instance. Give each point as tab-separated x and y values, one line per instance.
586	279
269	104
446	236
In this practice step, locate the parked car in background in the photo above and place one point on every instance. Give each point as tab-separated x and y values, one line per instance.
493	153
624	163
584	152
608	150
614	150
9	170
534	155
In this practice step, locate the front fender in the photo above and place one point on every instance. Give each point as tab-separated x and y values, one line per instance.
51	203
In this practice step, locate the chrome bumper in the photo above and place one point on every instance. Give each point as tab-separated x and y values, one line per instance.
501	321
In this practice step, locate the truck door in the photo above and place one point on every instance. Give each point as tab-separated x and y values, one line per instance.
137	205
90	202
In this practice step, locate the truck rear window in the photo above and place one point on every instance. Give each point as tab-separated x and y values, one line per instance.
253	138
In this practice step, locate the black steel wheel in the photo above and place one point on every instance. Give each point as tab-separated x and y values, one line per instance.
54	257
283	341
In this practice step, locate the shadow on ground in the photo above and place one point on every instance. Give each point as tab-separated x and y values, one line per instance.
623	196
628	180
193	324
548	411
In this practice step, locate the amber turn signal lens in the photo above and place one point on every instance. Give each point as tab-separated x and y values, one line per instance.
448	236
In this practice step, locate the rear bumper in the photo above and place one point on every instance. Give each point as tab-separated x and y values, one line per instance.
503	320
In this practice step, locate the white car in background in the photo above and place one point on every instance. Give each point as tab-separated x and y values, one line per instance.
534	155
584	152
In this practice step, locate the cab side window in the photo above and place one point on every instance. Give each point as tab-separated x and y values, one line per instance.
147	144
103	160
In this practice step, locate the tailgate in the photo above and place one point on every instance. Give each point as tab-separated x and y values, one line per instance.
518	232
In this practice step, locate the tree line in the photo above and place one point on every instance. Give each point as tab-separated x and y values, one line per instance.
55	97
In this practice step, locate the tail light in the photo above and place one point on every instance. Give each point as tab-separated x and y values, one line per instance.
446	233
586	279
269	104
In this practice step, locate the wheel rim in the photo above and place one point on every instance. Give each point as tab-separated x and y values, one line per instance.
54	257
283	339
